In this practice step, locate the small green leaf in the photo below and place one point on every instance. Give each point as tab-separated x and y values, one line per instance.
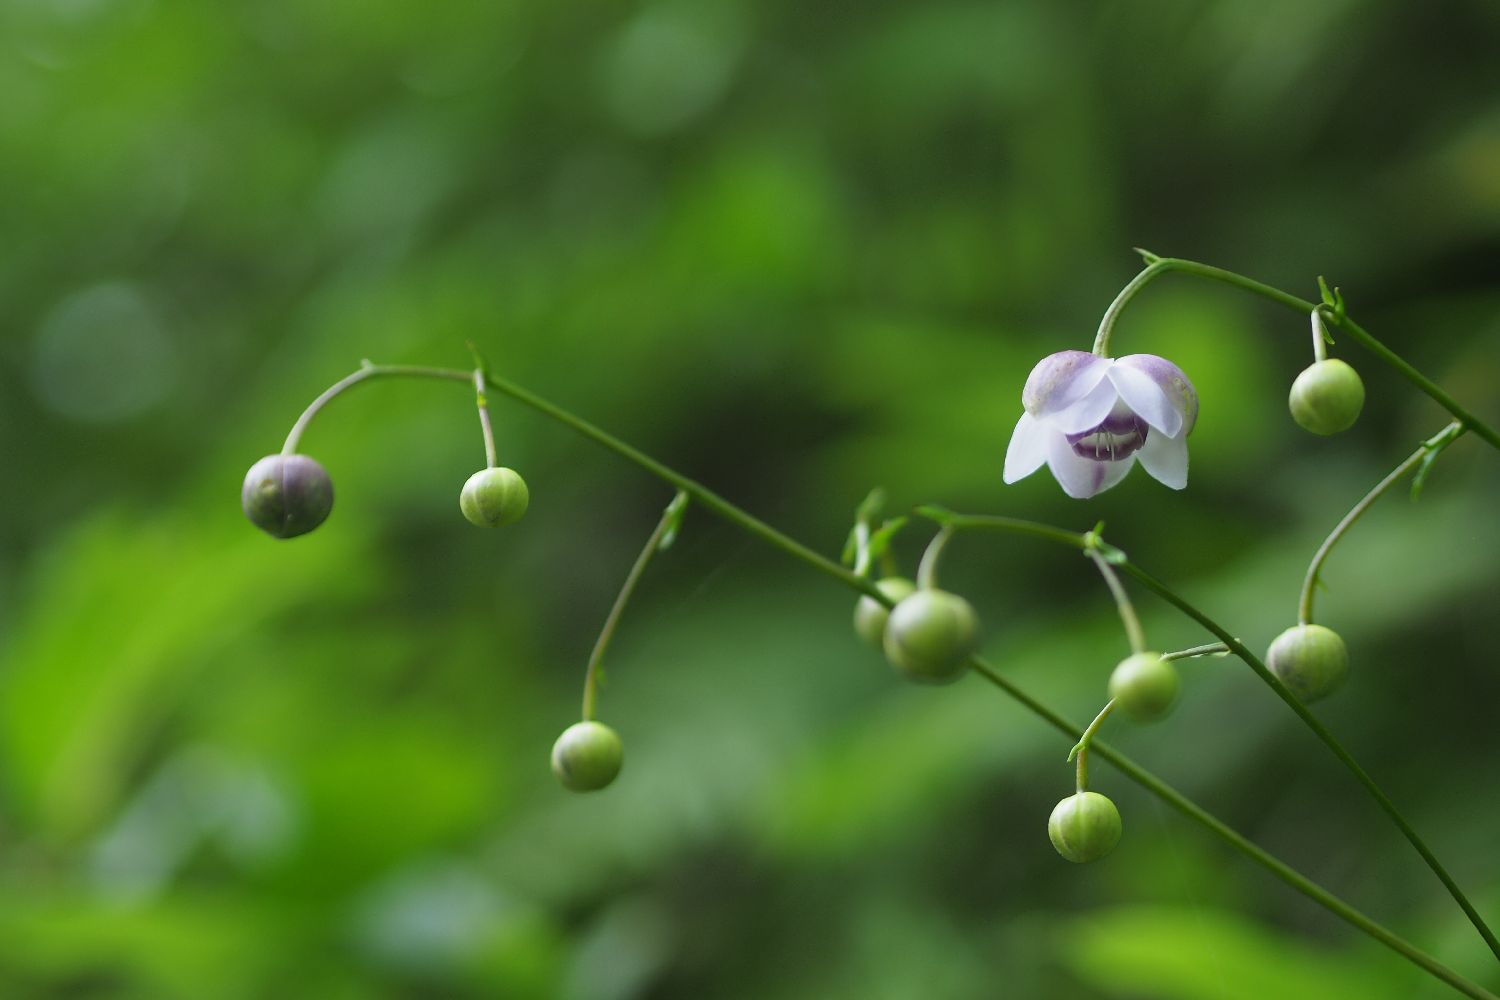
880	541
675	512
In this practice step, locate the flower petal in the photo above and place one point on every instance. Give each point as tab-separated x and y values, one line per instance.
1166	459
1028	447
1060	380
1082	477
1088	412
1170	380
1146	398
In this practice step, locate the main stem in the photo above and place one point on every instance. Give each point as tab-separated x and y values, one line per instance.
784	543
1314	568
591	675
1158	266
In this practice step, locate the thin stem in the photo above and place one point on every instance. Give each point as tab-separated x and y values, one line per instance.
1133	631
365	373
1321	731
1081	748
484	420
1209	649
1319	336
1243	652
1310	582
1187	807
759	529
1161	265
927	568
653	543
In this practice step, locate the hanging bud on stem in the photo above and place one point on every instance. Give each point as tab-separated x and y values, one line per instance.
286	495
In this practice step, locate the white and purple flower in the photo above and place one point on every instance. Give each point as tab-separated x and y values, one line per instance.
1090	418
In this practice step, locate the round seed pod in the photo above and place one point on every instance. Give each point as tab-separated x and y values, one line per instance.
587	756
1084	827
1144	686
870	615
493	497
929	636
1327	397
1310	660
286	495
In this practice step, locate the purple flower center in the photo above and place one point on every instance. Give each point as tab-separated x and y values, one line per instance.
1120	435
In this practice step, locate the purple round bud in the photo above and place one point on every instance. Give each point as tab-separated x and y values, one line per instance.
286	495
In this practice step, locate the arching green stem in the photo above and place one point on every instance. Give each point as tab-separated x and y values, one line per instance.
669	517
1157	266
365	373
1134	634
1081	748
1310	582
928	567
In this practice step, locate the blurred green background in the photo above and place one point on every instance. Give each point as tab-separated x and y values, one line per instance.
795	251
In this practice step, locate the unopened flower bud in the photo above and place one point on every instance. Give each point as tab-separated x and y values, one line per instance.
1144	686
493	497
870	615
1084	827
1310	660
929	636
587	756
286	495
1327	397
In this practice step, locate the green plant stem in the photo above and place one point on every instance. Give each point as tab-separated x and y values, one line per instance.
1157	266
365	373
928	567
1208	649
801	553
1134	634
1081	748
1310	582
490	458
1118	558
1319	336
596	658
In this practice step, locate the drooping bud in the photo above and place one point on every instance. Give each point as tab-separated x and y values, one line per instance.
493	497
1310	660
1144	686
870	615
929	636
587	756
1084	827
1327	397
286	495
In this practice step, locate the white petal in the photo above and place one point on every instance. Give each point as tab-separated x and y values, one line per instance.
1166	459
1088	412
1082	477
1060	380
1146	398
1028	447
1169	379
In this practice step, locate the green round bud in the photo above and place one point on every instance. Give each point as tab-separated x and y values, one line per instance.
1327	397
493	497
929	636
1310	660
587	756
286	495
1084	827
870	615
1144	686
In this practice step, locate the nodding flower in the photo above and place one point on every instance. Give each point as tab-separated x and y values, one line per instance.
1090	418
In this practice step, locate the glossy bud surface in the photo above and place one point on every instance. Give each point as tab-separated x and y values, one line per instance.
286	495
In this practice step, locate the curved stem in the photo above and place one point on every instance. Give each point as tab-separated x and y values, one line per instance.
759	529
484	420
1133	631
366	372
1321	731
927	568
1081	748
1187	807
1161	265
1208	649
1310	582
1243	652
653	543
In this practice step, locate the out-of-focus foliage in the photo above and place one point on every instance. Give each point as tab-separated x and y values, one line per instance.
796	251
